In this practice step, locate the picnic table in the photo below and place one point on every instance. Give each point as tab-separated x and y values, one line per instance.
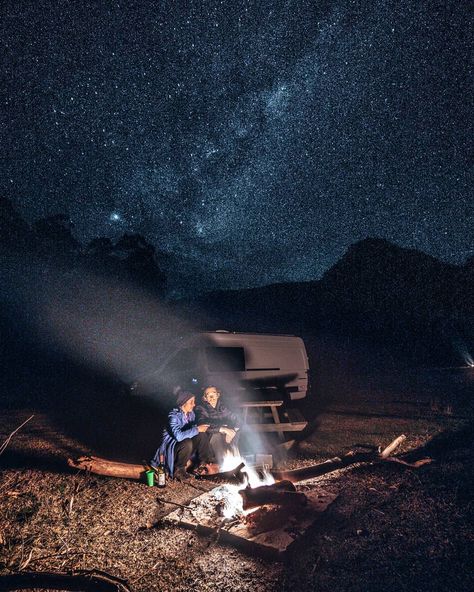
256	414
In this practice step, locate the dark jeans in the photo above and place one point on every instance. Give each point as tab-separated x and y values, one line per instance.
185	449
220	448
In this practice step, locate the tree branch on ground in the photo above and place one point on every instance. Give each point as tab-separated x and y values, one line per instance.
7	441
85	580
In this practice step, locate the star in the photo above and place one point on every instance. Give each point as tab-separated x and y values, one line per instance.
317	127
115	217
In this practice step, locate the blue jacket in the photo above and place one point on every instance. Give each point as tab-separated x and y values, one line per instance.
180	426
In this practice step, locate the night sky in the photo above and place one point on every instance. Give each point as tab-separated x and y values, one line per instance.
253	141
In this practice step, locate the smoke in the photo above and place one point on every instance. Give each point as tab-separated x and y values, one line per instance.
109	325
103	325
113	329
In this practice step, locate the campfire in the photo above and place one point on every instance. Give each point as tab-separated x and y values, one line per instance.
229	498
254	508
249	508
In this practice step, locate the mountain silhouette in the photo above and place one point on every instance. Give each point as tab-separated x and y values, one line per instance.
376	289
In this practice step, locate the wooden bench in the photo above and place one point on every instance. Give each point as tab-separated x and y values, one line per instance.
293	420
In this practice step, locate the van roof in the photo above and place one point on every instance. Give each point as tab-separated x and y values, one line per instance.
226	332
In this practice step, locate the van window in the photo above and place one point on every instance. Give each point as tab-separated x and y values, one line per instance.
225	359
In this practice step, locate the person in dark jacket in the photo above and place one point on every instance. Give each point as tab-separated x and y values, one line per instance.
183	438
223	423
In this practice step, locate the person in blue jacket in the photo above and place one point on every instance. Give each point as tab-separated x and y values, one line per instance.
183	439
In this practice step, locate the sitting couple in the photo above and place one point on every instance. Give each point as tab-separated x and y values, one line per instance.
204	436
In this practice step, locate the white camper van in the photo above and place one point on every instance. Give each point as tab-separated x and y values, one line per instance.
262	365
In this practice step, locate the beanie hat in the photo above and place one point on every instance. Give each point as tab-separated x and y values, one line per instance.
183	397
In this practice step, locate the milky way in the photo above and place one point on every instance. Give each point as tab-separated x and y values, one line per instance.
252	141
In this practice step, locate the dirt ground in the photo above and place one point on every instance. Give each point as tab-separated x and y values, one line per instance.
391	528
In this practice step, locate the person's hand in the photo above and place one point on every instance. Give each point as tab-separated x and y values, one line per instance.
203	427
229	434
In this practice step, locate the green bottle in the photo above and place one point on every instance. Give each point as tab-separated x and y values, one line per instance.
161	473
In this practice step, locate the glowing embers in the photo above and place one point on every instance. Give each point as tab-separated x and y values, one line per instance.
268	530
228	501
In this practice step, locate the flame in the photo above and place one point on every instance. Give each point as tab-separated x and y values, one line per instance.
229	494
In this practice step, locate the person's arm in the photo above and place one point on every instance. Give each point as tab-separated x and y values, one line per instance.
203	418
177	428
229	418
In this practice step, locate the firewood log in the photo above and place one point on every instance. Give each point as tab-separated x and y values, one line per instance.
232	476
109	468
339	462
282	493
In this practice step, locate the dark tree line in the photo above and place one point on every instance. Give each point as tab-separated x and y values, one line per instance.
51	241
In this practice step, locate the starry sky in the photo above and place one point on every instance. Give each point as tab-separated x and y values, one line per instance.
251	141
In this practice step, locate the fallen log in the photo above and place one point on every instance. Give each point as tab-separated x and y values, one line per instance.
312	471
351	458
109	468
93	581
282	493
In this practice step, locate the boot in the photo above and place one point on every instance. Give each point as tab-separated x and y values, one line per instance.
181	475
